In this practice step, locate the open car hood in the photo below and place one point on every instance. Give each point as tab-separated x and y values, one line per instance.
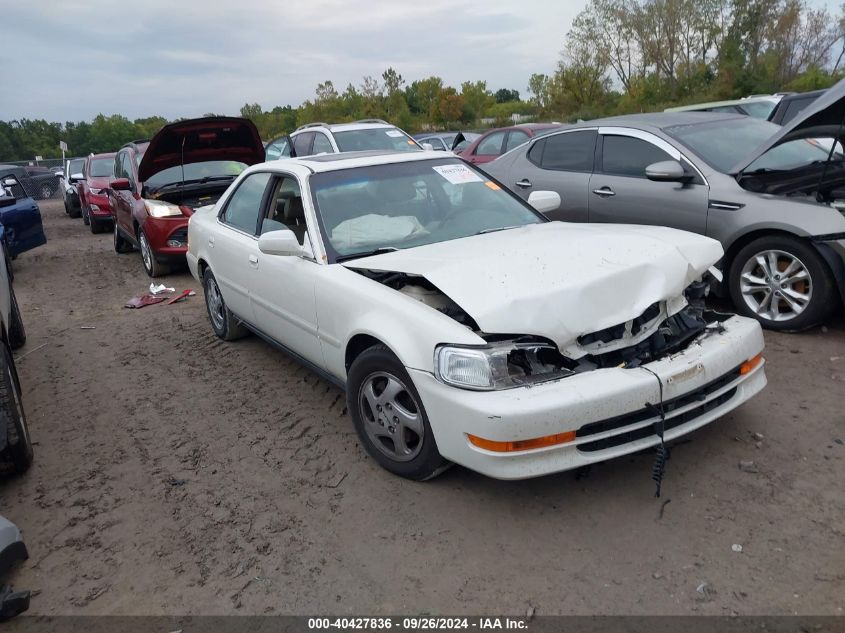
822	118
557	280
199	140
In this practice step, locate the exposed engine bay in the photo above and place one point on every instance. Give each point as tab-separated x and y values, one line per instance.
192	196
803	181
532	359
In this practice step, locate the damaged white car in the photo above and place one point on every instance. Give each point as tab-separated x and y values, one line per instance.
466	327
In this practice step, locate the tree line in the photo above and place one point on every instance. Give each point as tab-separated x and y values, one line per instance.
619	56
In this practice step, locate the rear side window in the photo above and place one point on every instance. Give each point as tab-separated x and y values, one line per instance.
515	139
492	145
244	207
302	143
277	149
322	145
572	151
629	156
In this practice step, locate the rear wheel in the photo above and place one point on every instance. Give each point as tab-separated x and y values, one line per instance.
99	226
153	267
389	416
121	244
17	455
75	212
782	282
224	323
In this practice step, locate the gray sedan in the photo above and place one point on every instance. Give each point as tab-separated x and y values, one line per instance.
773	196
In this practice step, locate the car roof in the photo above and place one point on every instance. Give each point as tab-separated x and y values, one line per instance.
363	124
102	155
729	102
348	160
661	120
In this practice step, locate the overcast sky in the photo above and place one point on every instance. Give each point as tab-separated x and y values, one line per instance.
70	60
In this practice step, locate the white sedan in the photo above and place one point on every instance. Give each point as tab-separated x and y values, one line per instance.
464	326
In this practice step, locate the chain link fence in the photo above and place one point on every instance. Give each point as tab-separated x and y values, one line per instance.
40	179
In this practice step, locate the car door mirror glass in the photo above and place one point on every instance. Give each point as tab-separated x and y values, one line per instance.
666	171
76	177
9	182
544	201
428	147
281	242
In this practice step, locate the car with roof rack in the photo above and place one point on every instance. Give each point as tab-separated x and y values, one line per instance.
464	326
332	138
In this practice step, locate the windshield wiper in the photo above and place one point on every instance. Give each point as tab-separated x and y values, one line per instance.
499	228
378	251
195	181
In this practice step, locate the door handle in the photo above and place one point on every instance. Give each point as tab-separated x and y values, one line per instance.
253	261
604	192
524	183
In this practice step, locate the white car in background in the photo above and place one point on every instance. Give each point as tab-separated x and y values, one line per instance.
325	138
465	326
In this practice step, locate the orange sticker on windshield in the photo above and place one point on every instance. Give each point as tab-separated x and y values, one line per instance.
492	185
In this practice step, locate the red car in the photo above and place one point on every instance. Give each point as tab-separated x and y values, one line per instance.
158	184
493	143
93	192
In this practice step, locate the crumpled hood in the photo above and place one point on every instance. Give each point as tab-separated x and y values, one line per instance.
203	139
557	280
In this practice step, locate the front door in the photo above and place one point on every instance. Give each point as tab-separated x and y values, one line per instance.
282	290
619	191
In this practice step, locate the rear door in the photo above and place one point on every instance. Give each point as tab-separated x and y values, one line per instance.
559	162
235	243
620	192
122	200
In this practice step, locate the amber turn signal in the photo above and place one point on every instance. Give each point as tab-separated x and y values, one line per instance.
750	364
522	445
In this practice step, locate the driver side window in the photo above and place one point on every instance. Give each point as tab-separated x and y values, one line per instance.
286	210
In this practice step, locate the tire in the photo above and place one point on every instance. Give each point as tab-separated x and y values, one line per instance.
86	219
783	283
75	212
9	270
17	455
67	209
151	265
121	244
17	332
224	323
394	429
99	226
45	191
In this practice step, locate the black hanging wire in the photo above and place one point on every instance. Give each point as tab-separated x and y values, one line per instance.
662	455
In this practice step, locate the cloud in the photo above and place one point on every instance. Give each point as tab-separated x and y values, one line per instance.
188	58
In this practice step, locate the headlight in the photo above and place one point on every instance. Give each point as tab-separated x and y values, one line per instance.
96	191
159	209
501	365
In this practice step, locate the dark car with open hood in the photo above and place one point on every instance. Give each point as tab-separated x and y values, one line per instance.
158	183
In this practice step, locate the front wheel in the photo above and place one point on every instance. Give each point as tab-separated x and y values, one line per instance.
782	282
224	323
86	218
17	454
389	417
153	267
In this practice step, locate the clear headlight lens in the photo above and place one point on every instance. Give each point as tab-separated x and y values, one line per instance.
501	365
159	209
96	191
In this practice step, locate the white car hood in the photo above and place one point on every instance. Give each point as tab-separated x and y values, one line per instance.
557	280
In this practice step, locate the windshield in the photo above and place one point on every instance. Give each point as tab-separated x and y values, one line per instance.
380	138
403	205
211	169
758	109
101	167
724	143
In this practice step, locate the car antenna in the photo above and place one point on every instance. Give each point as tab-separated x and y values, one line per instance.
182	165
819	197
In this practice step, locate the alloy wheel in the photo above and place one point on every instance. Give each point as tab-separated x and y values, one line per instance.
776	285
392	418
146	252
215	304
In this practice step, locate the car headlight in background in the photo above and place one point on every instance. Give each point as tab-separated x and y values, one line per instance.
97	191
501	365
159	209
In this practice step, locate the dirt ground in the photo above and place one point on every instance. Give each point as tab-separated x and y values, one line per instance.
179	474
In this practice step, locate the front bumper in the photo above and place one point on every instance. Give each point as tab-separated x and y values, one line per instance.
168	238
706	372
98	206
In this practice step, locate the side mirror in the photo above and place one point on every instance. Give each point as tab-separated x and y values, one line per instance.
10	182
282	243
544	201
666	171
120	184
428	147
76	177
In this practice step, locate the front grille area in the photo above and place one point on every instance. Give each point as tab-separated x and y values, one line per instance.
699	395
